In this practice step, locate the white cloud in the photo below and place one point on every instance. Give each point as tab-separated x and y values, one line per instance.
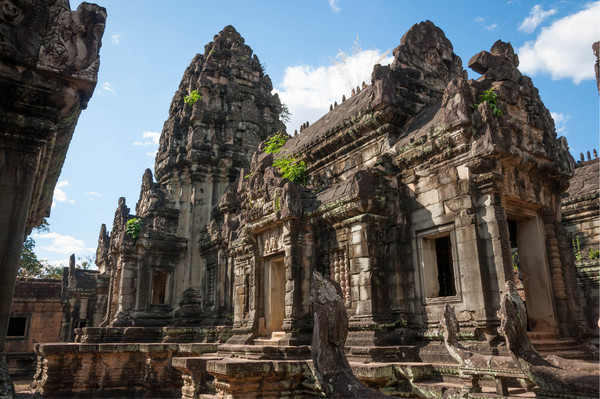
152	138
60	195
334	5
484	25
107	87
564	49
537	15
63	244
308	91
55	263
93	195
115	39
560	122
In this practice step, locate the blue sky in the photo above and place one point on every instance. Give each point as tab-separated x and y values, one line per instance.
148	44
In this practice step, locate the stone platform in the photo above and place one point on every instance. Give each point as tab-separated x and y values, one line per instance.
91	370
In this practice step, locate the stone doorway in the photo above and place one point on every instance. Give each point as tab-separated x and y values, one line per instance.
531	271
274	298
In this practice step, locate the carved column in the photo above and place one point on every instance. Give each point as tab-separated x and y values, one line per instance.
556	270
296	310
364	280
492	234
48	68
127	292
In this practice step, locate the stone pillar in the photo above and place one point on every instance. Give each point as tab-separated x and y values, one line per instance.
295	313
126	294
556	272
493	238
48	68
17	178
366	280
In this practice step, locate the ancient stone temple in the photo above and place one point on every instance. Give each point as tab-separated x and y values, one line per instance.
423	189
48	68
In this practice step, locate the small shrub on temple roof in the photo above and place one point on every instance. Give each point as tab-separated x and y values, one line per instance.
274	143
192	98
292	169
491	98
132	228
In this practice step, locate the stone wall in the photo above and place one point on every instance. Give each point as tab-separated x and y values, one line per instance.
40	302
581	218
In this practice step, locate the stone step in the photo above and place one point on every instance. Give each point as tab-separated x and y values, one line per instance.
566	348
275	337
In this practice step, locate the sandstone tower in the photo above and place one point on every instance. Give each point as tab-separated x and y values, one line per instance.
202	148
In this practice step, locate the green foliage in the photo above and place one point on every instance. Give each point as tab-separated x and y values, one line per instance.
491	98
276	203
29	264
515	261
132	228
86	263
285	113
53	272
274	143
576	248
249	175
192	98
291	169
594	254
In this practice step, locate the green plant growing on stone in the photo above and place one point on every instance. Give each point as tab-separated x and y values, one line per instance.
292	169
132	228
274	143
576	248
191	98
515	261
594	253
276	203
491	98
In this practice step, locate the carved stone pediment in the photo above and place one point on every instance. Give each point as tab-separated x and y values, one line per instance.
271	241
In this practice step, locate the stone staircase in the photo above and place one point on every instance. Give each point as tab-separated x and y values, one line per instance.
548	344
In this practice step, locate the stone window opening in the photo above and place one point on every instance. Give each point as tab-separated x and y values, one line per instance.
160	287
337	266
18	327
438	263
